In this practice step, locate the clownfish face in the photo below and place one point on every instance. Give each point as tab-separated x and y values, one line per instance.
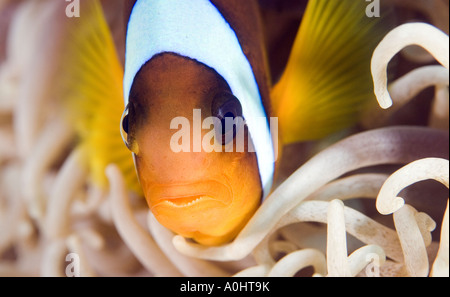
206	196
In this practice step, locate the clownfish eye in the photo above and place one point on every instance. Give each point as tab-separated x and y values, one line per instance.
124	126
125	129
228	110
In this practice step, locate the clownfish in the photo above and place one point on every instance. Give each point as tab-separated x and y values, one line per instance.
208	58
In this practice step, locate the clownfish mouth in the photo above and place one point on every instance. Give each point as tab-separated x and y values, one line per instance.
182	202
189	195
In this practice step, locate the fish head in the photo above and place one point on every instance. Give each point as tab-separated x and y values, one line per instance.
200	194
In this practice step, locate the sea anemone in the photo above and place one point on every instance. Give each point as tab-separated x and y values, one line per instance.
339	214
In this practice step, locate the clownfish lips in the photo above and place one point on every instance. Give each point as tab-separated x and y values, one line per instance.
189	195
185	201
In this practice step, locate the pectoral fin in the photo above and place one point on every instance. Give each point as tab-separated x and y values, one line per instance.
92	88
327	80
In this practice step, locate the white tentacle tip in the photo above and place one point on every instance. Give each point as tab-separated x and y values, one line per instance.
384	99
178	240
387	206
110	171
385	103
180	244
336	203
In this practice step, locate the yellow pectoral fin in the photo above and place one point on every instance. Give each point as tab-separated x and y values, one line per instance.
327	79
92	88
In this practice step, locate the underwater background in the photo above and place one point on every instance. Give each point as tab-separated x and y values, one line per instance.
334	211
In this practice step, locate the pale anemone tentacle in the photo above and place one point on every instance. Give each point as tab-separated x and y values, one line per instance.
117	262
7	150
420	170
37	78
9	87
290	264
30	255
254	271
412	241
70	178
53	257
105	257
282	246
190	267
441	263
36	254
417	80
364	256
355	186
406	88
426	225
306	235
138	239
337	264
91	237
437	12
54	139
12	270
439	117
427	36
74	245
95	196
20	40
11	212
105	210
356	224
390	269
261	253
383	146
23	227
